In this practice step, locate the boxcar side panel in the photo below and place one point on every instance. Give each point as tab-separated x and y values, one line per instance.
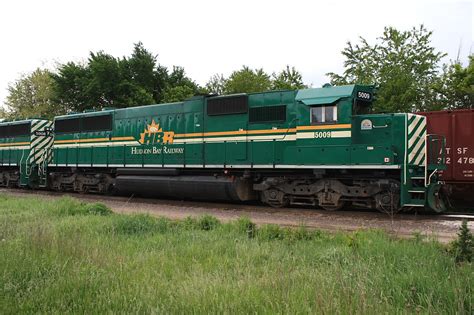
458	128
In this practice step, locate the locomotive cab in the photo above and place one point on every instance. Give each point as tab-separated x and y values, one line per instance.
387	153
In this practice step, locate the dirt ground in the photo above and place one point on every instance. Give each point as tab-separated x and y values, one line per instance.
441	227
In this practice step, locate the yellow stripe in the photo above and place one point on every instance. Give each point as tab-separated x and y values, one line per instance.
318	127
13	144
262	131
93	140
217	133
122	138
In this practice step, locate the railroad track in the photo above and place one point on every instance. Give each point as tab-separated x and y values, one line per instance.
457	216
244	207
443	227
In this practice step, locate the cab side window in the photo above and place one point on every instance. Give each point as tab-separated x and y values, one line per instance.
323	114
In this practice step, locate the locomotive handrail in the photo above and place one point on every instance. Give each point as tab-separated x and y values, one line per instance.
429	178
28	172
437	154
21	159
289	127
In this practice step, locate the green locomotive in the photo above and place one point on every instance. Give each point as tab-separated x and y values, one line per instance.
318	147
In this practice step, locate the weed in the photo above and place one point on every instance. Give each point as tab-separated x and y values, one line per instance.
245	225
418	237
269	232
189	223
207	222
96	208
463	247
352	241
68	206
139	224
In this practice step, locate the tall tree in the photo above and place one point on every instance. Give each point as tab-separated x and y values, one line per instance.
179	86
105	80
403	63
247	80
70	86
216	84
456	85
177	93
32	96
106	84
287	79
142	67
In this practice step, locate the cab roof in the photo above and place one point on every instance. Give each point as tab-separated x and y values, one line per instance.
325	95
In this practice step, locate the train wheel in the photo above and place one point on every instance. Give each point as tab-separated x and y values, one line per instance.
274	198
388	202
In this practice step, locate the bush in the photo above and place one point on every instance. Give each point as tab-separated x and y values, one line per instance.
270	232
207	222
139	224
96	208
67	206
418	237
189	223
301	234
463	247
245	225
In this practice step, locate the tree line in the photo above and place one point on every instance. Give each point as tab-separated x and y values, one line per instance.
403	64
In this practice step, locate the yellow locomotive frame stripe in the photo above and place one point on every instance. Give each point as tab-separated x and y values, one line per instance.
94	140
216	133
14	144
318	127
261	131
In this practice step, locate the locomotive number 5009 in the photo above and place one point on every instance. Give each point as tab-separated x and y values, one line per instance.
363	95
322	134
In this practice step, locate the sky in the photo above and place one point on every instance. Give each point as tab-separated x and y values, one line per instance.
208	37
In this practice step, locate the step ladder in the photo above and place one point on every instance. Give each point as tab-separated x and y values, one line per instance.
416	191
43	168
418	180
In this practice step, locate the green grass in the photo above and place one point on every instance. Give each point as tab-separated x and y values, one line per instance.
67	257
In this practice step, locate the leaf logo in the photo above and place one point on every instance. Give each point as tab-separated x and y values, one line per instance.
154	134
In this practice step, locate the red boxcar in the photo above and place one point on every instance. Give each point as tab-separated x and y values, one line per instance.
458	128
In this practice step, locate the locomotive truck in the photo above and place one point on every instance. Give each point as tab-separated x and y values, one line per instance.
315	147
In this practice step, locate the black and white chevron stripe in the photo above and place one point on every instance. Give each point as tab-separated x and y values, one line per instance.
40	145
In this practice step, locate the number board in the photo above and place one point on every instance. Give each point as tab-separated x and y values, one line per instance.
42	133
366	96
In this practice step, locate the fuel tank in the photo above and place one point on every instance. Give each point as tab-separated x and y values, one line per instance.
187	187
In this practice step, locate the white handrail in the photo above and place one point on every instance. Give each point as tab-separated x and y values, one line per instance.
426	160
429	179
21	159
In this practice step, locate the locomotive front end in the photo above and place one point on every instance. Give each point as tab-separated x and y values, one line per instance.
423	161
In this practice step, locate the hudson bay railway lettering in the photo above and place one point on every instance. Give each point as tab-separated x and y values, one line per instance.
156	150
